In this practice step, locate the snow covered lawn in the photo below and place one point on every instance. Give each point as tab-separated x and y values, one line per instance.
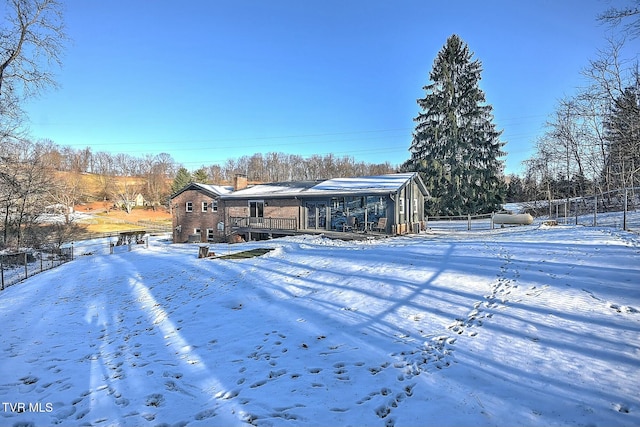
525	326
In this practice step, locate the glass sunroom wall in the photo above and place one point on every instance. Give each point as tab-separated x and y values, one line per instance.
356	209
338	214
376	208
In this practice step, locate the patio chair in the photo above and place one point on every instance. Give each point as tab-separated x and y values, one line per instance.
382	225
351	224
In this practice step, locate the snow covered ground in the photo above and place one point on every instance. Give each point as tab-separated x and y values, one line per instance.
525	326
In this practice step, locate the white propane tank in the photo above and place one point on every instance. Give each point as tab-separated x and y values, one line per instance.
512	219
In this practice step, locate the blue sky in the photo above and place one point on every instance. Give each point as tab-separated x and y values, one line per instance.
206	81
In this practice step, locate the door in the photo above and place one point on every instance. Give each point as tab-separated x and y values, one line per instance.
316	215
256	212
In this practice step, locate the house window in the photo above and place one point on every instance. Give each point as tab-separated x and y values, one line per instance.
210	234
256	208
189	207
205	206
214	206
415	206
401	206
196	231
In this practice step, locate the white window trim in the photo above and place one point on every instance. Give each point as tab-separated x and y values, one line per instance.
401	206
205	206
188	207
214	206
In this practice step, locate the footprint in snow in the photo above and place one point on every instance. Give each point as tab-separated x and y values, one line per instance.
203	415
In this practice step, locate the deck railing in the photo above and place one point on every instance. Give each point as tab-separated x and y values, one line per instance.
265	223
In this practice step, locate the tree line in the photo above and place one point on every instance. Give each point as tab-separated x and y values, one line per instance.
258	167
278	167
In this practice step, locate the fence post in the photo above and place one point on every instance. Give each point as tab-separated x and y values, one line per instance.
595	209
41	262
468	222
71	251
624	216
26	270
2	272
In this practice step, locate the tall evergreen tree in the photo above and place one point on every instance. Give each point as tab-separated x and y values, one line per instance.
622	132
455	145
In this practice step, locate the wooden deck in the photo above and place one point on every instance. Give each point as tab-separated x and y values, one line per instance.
289	227
338	235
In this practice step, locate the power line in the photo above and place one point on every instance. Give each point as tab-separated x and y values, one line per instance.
252	138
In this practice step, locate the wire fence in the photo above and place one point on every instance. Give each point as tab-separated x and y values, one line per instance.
461	222
20	265
617	208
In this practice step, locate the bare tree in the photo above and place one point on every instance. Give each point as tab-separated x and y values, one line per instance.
576	144
65	191
628	16
215	174
31	39
609	75
157	173
104	169
129	185
24	179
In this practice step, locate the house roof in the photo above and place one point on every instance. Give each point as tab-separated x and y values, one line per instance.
211	190
364	185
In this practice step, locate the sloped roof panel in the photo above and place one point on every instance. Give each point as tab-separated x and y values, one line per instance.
378	184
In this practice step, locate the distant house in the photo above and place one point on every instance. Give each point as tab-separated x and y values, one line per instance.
128	204
138	200
387	204
198	214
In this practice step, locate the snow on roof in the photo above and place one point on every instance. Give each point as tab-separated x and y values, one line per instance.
390	182
377	184
215	188
275	189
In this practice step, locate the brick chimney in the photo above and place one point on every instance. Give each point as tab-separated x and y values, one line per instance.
239	182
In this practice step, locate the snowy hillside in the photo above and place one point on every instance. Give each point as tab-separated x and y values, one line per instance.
525	326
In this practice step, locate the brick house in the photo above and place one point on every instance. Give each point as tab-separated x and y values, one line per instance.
386	204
